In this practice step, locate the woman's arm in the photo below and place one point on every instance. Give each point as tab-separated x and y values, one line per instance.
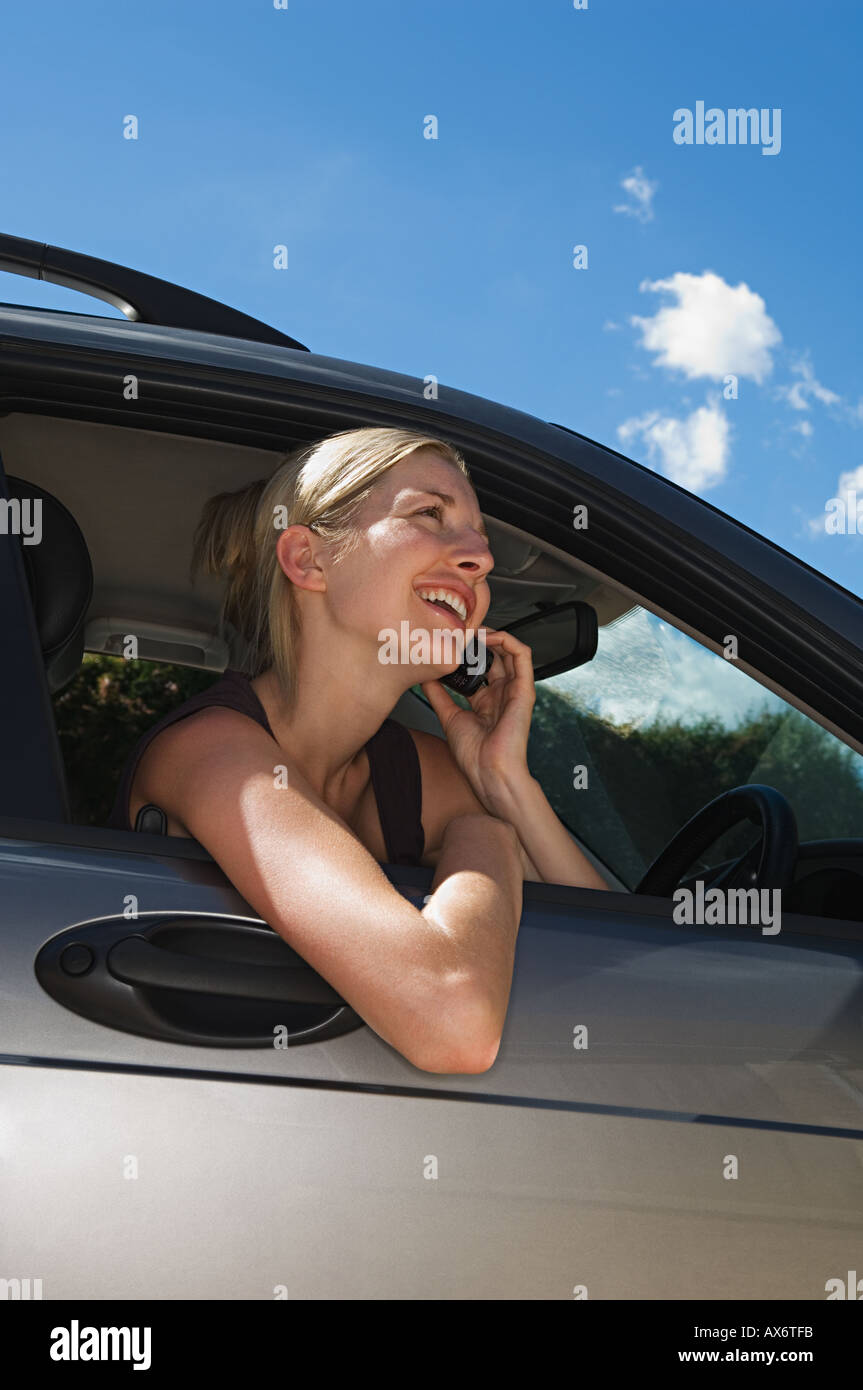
488	743
523	803
477	896
448	794
431	983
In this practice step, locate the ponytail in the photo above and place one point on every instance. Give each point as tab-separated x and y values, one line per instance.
224	543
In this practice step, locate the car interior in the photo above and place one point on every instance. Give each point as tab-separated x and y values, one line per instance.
120	505
124	488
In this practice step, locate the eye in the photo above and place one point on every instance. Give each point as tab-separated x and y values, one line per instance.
435	510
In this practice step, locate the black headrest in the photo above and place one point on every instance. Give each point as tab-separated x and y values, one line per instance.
60	578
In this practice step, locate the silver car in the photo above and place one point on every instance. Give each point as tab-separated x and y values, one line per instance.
187	1110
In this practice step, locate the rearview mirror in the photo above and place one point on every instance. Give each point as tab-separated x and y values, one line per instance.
560	637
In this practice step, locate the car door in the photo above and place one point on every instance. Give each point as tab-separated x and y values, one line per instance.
673	1111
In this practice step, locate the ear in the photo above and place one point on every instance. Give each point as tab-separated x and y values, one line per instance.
299	553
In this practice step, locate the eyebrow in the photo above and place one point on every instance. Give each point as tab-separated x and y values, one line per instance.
449	502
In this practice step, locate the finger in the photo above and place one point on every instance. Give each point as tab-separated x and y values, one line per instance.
515	658
507	640
496	671
516	655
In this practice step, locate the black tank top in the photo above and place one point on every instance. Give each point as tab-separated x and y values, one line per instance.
393	762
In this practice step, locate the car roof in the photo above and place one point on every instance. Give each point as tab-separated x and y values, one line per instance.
193	347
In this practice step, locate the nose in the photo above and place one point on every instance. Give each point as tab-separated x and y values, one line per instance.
473	555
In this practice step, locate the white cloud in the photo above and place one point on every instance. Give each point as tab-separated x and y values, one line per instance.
849	482
799	393
693	451
712	330
610	326
804	427
641	191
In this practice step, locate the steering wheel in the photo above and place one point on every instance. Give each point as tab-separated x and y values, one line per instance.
764	806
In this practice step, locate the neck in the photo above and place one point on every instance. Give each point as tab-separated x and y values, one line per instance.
335	713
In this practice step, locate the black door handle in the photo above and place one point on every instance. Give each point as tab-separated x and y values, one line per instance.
208	981
138	961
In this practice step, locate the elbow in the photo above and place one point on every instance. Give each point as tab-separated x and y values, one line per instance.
467	1062
467	1045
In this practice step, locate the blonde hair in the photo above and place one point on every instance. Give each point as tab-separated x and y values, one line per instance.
321	485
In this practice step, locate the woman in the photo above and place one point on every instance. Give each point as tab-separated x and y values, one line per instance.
294	778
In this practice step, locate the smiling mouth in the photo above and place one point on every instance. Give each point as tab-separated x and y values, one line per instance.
444	606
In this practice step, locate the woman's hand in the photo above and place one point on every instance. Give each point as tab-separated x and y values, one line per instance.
489	744
489	740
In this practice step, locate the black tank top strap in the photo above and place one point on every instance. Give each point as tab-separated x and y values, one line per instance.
397	784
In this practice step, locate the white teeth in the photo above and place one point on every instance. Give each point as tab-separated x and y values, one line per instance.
445	596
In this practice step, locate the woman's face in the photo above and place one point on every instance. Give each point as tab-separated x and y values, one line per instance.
421	531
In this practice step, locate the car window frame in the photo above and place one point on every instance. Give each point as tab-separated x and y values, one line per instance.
193	414
32	777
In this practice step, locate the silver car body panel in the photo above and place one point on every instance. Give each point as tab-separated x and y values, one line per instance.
336	1169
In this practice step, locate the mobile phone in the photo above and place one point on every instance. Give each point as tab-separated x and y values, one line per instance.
472	672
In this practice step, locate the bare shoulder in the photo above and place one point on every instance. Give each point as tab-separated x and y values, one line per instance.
446	792
176	755
200	733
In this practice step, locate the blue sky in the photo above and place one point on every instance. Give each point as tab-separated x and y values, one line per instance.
304	126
